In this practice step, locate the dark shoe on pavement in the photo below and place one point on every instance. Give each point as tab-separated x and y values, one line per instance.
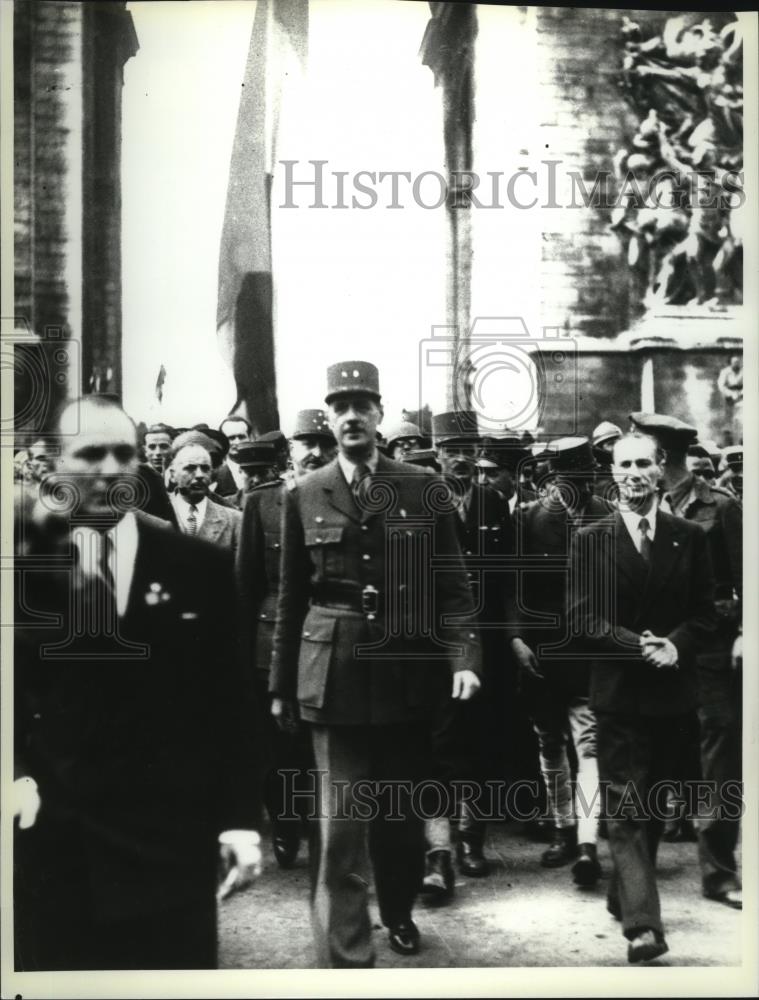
563	848
438	883
731	897
472	861
404	937
586	871
286	844
646	946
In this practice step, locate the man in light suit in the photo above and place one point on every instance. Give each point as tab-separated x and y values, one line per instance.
133	756
362	647
642	602
191	473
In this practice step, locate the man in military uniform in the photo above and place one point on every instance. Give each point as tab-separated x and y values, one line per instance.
257	568
363	645
555	682
604	437
720	679
404	438
468	739
498	466
256	461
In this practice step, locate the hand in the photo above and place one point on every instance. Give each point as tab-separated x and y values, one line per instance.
241	858
526	659
736	657
286	714
26	802
466	684
659	651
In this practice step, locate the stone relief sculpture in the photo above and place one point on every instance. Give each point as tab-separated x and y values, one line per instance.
681	176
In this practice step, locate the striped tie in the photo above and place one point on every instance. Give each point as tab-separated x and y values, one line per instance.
192	520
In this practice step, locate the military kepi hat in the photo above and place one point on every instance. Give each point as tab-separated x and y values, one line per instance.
570	454
312	423
252	454
455	425
668	431
346	378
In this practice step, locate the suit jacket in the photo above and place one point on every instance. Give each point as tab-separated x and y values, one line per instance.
423	627
537	611
225	482
157	500
221	525
615	596
140	743
257	570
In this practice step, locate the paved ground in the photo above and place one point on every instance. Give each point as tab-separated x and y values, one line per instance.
522	915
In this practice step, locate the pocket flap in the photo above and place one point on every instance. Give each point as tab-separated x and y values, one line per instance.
318	629
323	536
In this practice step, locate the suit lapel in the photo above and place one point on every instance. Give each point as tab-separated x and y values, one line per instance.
666	550
339	494
213	523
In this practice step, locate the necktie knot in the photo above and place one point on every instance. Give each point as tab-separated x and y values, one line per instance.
644	525
645	539
192	520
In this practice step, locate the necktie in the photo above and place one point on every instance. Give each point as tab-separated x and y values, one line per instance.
645	540
359	475
192	520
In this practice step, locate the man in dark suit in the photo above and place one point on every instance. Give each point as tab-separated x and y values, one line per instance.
131	723
312	445
363	643
720	517
237	429
555	683
642	603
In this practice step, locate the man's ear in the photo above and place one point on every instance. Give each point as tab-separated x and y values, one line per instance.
172	477
381	409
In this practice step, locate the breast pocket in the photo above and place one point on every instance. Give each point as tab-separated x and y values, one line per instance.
325	548
315	658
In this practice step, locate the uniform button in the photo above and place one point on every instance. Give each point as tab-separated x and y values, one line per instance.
366	557
306	635
262	616
364	527
319	538
319	520
472	635
370	617
276	545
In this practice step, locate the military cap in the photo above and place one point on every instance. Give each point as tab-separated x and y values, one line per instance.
350	377
668	431
455	425
275	438
254	454
605	431
221	439
312	423
570	454
426	457
406	430
504	451
733	457
697	450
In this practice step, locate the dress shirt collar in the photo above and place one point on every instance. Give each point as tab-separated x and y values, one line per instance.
182	508
632	521
348	466
125	538
513	500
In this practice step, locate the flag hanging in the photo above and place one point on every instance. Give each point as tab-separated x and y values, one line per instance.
245	315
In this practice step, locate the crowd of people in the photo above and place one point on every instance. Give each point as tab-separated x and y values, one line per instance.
386	637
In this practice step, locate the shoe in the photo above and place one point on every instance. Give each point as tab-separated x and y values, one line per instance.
404	937
472	862
614	907
731	897
646	946
563	848
586	870
286	844
438	882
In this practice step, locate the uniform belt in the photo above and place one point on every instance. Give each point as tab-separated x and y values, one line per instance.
347	598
